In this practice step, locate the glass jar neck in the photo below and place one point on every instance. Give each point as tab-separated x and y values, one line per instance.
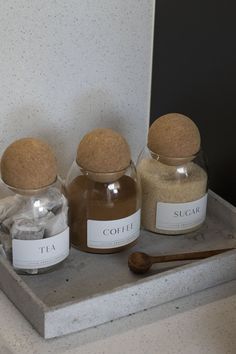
104	177
31	192
172	160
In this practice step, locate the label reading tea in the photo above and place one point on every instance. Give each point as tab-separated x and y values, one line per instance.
181	216
31	254
114	233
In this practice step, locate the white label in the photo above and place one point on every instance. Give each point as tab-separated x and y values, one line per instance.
114	233
181	216
31	254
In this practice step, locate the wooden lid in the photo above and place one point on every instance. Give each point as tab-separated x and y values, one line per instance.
28	163
103	150
174	135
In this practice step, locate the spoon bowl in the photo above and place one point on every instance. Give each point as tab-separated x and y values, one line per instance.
139	262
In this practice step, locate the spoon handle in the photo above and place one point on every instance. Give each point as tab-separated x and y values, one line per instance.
187	256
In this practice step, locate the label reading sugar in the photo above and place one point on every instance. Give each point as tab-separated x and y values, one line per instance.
31	254
114	233
181	216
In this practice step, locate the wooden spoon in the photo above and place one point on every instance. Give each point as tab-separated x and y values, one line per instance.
140	262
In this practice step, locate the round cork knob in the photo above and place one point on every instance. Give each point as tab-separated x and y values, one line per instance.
28	164
174	136
104	155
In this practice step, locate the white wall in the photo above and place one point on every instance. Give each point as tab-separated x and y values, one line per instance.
68	66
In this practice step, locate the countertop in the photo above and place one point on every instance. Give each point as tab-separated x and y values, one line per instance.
203	323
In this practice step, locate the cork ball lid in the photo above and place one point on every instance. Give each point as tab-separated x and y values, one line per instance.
103	151
28	163
174	135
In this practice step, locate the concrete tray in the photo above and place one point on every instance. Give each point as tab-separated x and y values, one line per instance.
89	289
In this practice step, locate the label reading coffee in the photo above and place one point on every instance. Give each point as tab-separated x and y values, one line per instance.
113	233
31	254
181	216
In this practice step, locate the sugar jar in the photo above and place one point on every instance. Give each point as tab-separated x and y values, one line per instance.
173	174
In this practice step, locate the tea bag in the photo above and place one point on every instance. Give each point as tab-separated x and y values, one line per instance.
9	206
6	225
6	243
57	224
56	220
35	209
2	252
52	200
25	229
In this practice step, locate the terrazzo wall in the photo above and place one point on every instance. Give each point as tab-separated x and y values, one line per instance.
68	66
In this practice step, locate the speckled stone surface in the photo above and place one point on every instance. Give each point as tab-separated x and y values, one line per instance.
70	66
203	323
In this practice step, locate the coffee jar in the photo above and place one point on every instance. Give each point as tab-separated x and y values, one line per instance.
173	174
34	230
103	192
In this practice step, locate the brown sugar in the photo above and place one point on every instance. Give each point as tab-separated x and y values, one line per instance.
28	163
90	200
161	183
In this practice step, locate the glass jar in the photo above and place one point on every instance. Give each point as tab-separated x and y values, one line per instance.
34	231
174	192
104	209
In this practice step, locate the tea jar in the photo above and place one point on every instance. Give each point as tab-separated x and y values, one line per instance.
173	174
103	192
34	230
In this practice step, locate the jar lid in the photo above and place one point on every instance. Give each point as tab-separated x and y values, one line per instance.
174	135
28	163
103	151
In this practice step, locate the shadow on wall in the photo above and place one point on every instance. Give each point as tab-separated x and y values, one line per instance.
28	121
92	110
95	109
